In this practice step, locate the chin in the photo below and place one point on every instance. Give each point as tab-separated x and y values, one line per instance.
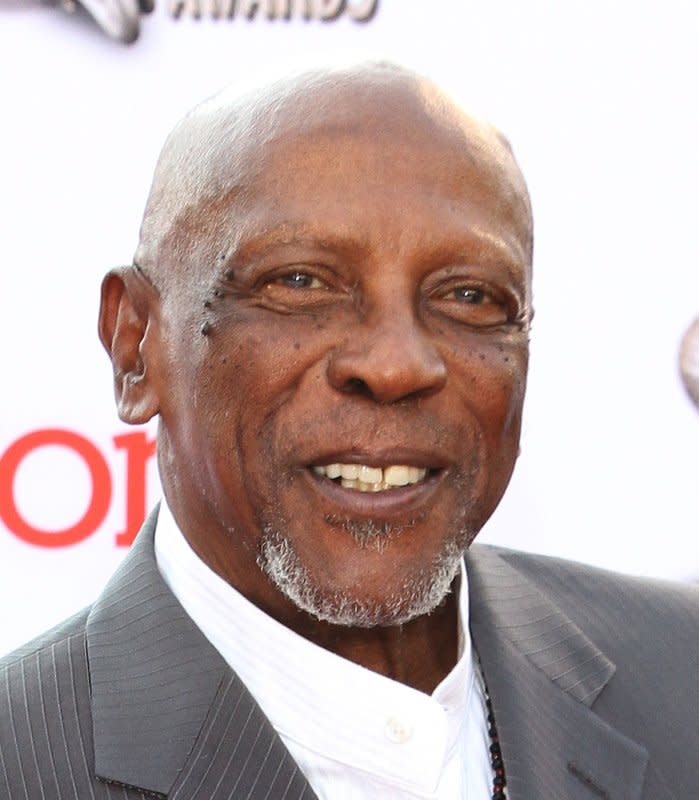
414	596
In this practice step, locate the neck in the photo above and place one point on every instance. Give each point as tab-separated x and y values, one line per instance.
419	653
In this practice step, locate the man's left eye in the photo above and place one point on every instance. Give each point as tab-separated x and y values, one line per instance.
474	305
470	294
301	280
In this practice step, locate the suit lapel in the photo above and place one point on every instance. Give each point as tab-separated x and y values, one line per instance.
169	716
543	675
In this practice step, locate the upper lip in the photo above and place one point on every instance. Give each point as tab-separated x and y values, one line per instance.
383	457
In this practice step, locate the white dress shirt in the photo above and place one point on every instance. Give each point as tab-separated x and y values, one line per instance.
355	734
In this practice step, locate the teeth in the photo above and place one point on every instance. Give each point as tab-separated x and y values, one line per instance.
416	474
363	478
397	476
349	472
370	474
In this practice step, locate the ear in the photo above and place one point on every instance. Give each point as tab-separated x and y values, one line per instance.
125	328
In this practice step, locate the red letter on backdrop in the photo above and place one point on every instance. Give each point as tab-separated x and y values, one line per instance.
138	450
101	487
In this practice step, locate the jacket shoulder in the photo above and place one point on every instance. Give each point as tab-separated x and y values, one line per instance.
53	637
603	589
46	745
648	627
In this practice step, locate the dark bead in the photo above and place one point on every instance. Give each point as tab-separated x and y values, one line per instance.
496	763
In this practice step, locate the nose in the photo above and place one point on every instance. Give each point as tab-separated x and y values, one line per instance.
388	361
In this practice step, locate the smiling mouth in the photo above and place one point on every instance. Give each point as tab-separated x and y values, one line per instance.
363	478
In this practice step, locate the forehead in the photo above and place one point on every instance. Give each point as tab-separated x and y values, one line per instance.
377	195
357	164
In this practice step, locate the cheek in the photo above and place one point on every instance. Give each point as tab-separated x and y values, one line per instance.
513	382
493	381
254	369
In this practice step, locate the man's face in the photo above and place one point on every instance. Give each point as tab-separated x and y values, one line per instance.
356	304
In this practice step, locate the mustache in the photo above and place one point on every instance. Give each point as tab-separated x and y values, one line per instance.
362	427
372	534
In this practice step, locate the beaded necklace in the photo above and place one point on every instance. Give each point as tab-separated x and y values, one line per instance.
496	762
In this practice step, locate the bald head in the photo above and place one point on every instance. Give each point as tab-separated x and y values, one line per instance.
218	151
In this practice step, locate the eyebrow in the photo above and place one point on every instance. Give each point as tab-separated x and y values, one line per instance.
498	244
453	247
289	234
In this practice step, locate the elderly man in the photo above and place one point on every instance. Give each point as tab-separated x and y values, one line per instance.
329	312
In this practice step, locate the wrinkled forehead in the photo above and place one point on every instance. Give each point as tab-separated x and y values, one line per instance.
230	147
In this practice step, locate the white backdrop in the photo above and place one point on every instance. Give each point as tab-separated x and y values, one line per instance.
599	100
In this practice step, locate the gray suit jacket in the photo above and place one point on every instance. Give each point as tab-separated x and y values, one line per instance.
594	680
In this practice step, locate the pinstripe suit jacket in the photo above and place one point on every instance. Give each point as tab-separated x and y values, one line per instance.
594	680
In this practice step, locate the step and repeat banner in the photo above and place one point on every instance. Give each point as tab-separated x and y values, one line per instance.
599	101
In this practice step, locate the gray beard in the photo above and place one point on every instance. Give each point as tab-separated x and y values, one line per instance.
426	591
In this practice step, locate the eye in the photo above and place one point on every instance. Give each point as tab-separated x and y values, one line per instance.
470	294
301	280
298	287
473	304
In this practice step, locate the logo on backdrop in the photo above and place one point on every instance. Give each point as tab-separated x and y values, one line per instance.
121	19
689	361
138	449
323	10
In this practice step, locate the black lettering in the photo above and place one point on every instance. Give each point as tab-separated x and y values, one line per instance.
329	10
362	10
249	8
297	8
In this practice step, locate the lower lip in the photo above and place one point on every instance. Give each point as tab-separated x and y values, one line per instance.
402	499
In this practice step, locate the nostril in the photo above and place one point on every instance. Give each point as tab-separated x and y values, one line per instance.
387	367
357	386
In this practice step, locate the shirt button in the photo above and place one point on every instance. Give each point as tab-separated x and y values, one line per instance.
398	731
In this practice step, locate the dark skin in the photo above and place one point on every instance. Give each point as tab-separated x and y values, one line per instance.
350	293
